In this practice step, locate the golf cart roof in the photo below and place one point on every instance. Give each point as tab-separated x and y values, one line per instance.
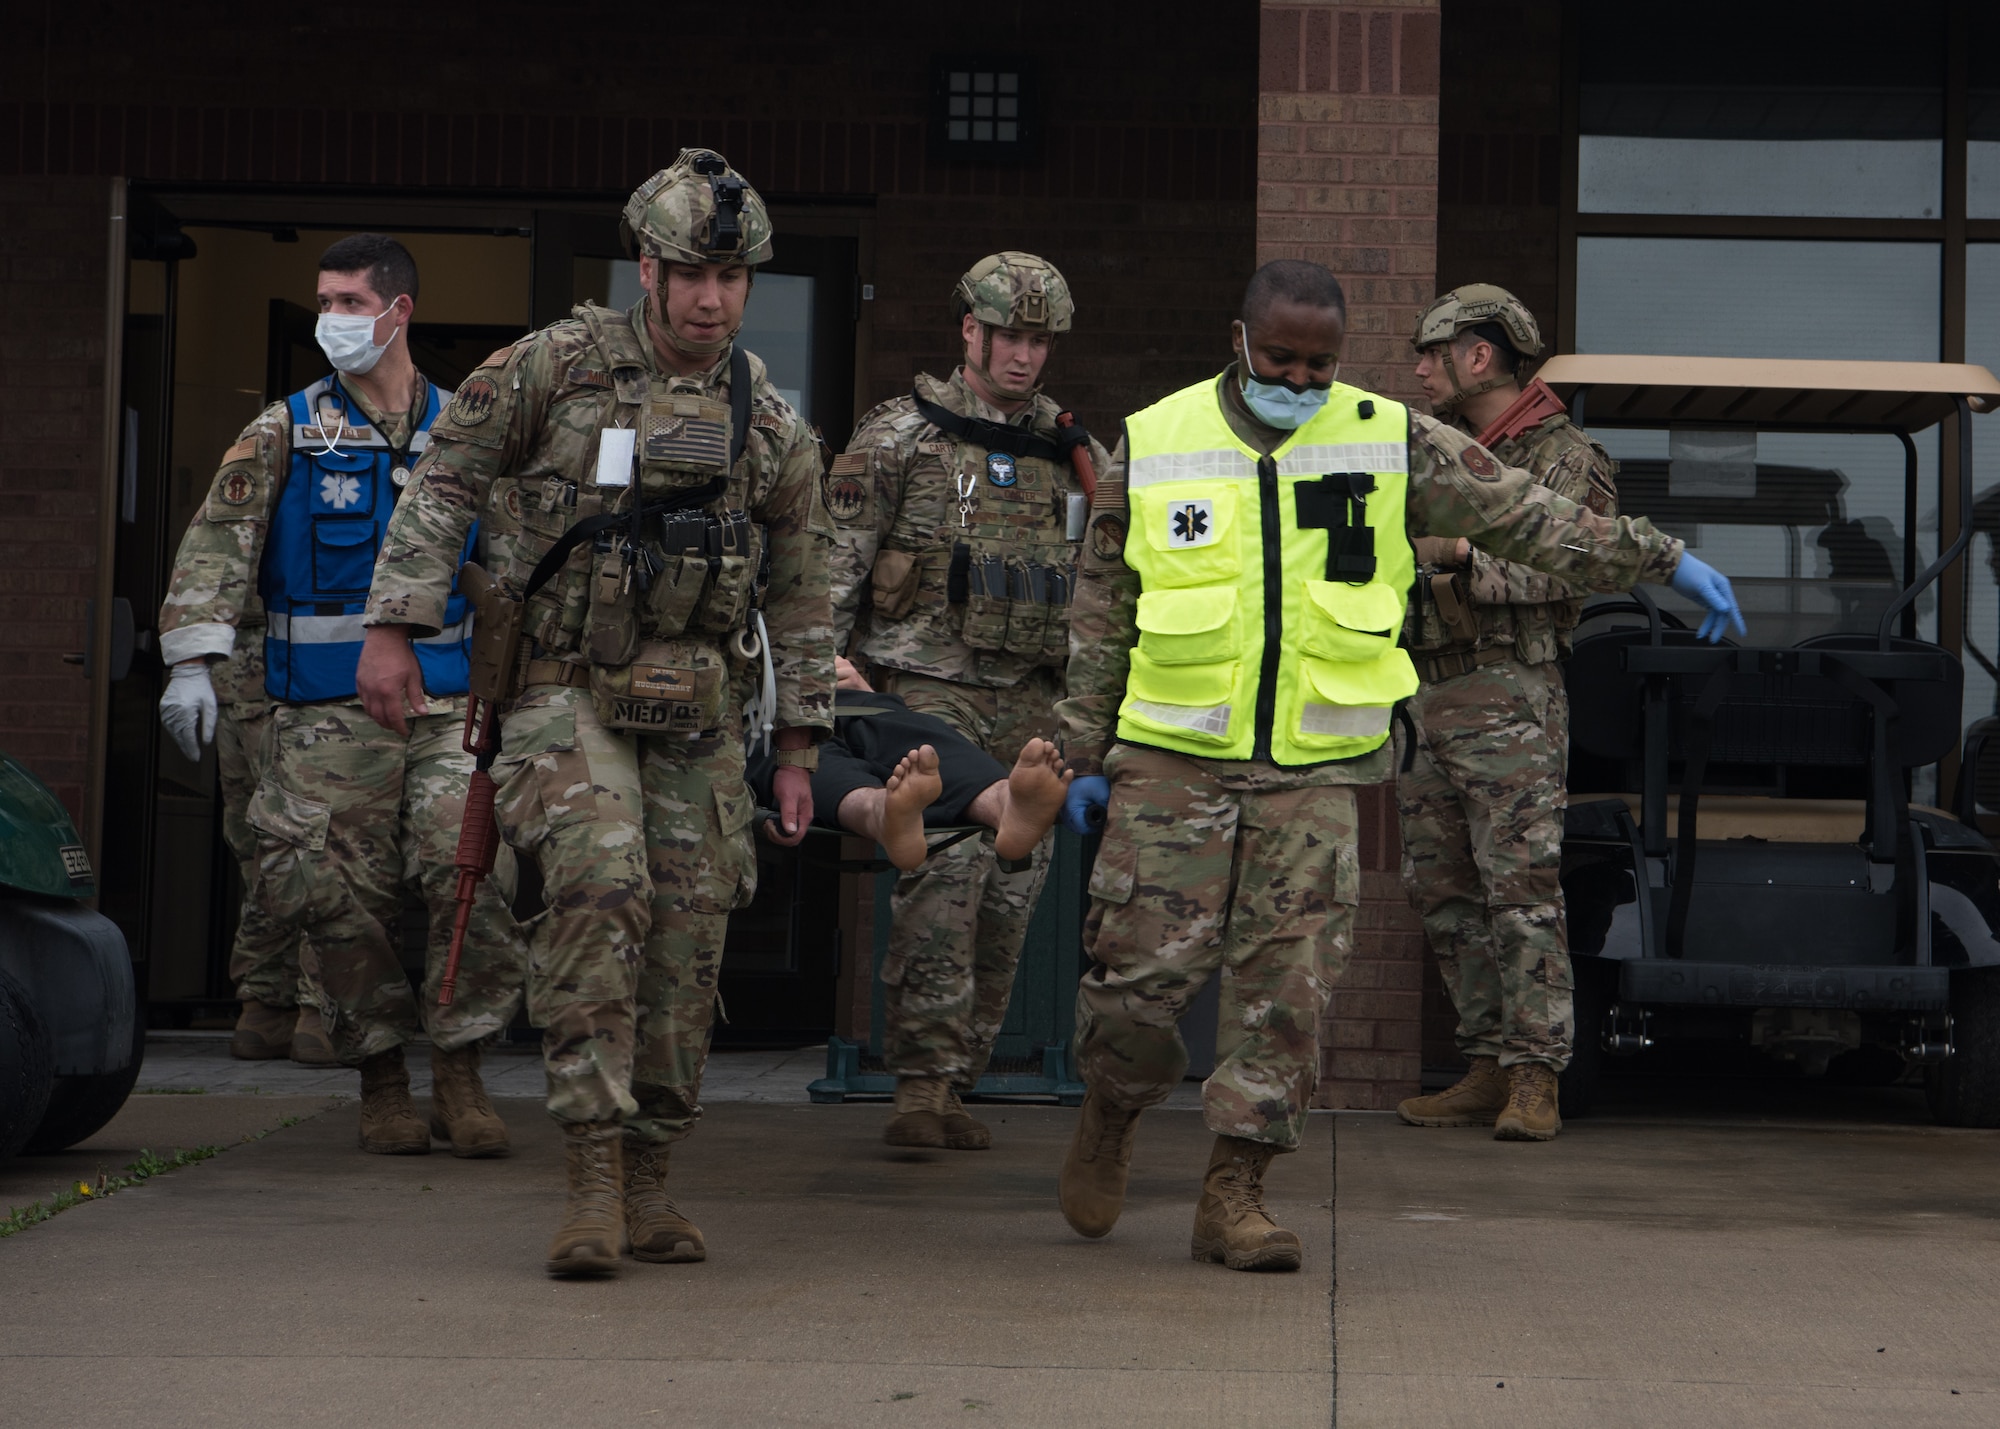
1635	390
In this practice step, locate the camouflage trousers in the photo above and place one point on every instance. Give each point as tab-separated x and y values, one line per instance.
958	922
644	846
264	959
349	814
1201	874
1482	818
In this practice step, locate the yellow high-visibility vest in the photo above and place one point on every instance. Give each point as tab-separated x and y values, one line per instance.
1273	588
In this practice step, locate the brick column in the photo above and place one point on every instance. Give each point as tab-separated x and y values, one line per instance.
1347	177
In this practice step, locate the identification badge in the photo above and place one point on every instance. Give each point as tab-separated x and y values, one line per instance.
614	456
1076	512
1000	469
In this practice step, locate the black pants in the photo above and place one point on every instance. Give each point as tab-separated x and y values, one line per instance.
871	733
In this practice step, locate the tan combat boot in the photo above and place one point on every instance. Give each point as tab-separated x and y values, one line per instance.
1092	1185
262	1032
390	1125
311	1045
1477	1099
1532	1113
962	1130
1230	1222
919	1118
460	1111
587	1241
659	1232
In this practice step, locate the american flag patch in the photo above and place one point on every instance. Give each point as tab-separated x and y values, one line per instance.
686	441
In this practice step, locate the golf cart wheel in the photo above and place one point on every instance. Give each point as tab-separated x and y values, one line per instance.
1596	984
27	1066
1964	1090
80	1107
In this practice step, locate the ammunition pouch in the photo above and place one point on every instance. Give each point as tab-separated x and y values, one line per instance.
668	687
496	634
893	583
1012	605
1454	608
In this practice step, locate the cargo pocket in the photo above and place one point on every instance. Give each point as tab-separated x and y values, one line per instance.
1188	627
1191	528
1116	872
292	832
735	871
1344	706
545	785
1349	622
343	554
1188	701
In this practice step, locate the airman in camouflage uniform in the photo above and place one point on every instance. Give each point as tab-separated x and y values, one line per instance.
1483	794
941	499
622	747
347	812
264	959
1243	867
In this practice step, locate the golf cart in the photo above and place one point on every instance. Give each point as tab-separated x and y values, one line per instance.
1742	857
71	1035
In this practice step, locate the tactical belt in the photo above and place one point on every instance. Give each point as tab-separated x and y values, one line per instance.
1449	666
739	437
998	436
555	672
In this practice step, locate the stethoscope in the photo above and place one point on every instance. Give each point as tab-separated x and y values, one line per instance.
399	470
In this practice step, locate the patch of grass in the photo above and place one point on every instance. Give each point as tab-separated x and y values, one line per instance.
149	1165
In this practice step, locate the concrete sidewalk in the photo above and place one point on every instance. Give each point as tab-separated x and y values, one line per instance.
1737	1254
294	1280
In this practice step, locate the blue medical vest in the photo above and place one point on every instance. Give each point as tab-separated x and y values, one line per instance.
319	555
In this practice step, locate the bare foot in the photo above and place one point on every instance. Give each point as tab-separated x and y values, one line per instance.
1035	792
912	788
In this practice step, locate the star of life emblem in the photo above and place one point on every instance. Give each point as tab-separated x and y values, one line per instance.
340	492
1190	523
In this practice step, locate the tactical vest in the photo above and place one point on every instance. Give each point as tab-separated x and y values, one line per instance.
1272	588
678	570
1451	620
319	555
998	574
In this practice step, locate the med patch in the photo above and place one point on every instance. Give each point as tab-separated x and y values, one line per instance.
1190	524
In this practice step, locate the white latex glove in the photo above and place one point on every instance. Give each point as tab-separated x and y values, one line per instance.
187	708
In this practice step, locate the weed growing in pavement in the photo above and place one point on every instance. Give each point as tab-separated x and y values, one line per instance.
19	1218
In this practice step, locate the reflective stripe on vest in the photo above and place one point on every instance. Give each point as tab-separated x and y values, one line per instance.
1241	657
319	554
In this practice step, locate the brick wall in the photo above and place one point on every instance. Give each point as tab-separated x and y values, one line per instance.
52	234
1347	167
1347	176
1141	191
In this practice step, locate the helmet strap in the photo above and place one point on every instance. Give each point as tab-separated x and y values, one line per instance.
657	310
1459	392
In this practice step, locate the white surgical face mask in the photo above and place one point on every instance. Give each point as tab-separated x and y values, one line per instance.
348	340
1280	404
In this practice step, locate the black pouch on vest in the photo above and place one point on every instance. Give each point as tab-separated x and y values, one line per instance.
958	577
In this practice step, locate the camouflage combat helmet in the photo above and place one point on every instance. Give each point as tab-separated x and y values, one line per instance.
1450	314
1017	290
698	210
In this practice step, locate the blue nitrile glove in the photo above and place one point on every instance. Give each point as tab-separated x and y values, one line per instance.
1084	805
1699	581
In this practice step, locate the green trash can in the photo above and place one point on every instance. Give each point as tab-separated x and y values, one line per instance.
1032	1055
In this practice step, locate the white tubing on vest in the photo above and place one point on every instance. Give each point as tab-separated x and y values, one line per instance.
1203	719
1350	721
